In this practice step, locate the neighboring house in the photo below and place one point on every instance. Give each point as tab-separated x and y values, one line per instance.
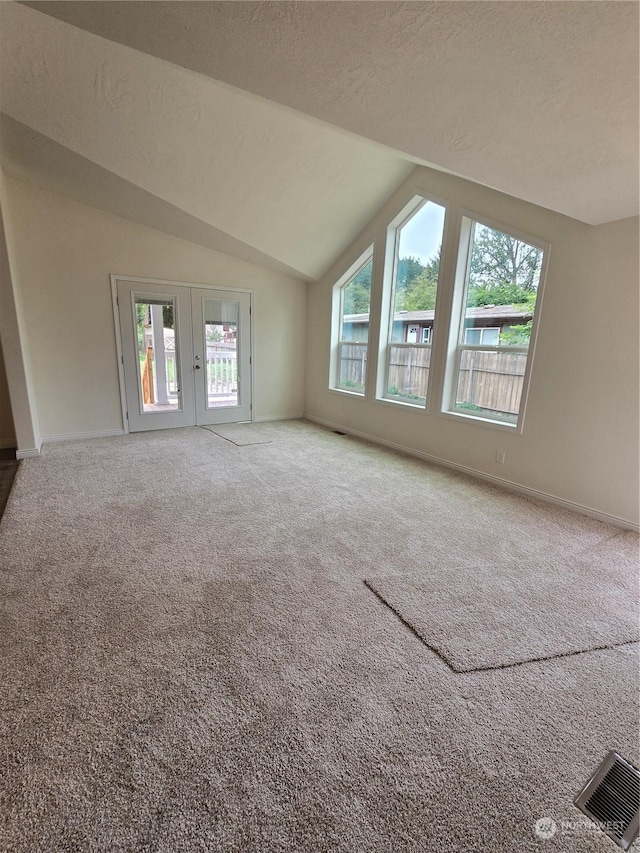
483	325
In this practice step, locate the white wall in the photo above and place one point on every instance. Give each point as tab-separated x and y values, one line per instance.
581	431
62	254
18	373
7	431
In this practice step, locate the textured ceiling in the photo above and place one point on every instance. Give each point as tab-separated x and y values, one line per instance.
537	99
274	131
30	156
261	178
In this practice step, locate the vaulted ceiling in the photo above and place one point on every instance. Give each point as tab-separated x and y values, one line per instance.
273	131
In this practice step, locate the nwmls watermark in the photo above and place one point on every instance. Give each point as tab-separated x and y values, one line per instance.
547	827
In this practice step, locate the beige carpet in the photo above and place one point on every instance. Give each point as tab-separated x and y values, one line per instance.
190	661
501	613
241	434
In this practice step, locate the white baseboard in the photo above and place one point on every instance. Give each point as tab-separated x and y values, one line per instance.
488	478
29	452
79	436
288	417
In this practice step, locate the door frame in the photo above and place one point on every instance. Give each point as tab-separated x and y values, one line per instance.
115	278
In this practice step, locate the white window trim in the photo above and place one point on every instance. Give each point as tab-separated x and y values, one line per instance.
466	220
336	325
417	201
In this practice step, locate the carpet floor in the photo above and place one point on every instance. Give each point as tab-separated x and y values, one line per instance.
241	434
497	614
191	661
8	467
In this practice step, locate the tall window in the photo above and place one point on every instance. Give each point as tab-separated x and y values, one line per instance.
497	293
412	303
354	297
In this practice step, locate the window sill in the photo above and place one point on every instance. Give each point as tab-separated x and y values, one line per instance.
359	395
480	421
405	404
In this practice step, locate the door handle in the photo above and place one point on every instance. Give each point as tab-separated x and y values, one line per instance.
196	367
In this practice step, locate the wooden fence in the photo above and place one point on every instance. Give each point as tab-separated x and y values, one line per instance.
353	366
491	380
487	380
408	374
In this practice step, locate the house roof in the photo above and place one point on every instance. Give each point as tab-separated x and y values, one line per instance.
483	312
274	131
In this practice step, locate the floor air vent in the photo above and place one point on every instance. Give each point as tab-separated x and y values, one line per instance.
612	799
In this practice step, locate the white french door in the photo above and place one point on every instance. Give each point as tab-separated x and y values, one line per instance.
186	354
221	355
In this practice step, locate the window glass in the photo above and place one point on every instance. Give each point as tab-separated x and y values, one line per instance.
355	303
501	286
413	304
486	337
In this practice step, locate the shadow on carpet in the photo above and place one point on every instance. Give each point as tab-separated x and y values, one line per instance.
240	434
492	616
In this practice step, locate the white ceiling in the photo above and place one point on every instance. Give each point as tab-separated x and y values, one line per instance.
30	156
292	188
537	99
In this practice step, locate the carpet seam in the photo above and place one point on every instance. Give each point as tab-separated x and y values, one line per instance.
551	657
433	649
231	441
408	625
597	544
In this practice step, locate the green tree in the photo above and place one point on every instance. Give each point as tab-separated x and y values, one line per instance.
167	316
496	294
499	260
504	271
407	272
357	294
421	294
141	318
520	335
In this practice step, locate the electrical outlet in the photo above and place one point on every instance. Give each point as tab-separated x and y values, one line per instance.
500	457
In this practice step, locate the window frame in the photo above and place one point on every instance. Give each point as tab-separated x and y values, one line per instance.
465	231
482	330
411	208
337	313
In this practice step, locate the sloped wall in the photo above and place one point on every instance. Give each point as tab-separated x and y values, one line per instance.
63	253
7	432
581	431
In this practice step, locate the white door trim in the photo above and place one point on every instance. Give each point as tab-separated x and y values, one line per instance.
115	277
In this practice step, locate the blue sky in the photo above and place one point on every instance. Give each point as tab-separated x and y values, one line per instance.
421	237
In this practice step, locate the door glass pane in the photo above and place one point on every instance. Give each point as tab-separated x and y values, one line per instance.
157	355
221	347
